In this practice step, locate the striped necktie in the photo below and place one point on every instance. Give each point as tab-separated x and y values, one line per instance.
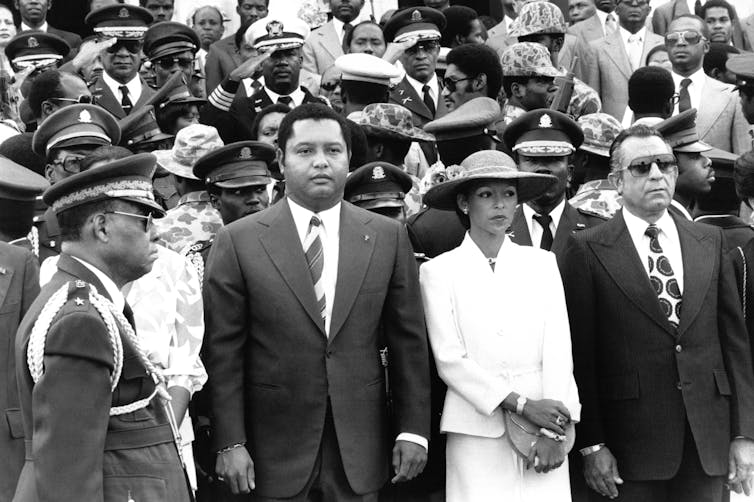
316	260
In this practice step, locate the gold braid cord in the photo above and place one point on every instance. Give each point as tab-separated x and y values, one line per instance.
113	319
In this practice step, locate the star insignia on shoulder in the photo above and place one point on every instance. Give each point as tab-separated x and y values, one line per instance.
79	302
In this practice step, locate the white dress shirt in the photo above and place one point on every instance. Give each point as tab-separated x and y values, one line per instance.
668	237
634	45
434	88
695	87
297	96
602	15
26	27
112	290
133	85
535	229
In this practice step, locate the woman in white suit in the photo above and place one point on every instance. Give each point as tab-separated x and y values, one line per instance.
498	327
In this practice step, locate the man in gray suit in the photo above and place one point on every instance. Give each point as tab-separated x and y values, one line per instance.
601	24
325	45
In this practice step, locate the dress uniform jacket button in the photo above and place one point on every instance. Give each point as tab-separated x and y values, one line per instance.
678	348
679	386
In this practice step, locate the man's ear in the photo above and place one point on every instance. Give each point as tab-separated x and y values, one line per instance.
280	157
214	201
480	82
98	228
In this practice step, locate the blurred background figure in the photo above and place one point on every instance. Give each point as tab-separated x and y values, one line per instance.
715	59
208	24
579	10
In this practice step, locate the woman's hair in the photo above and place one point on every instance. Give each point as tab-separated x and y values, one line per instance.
273	108
167	116
349	35
654	50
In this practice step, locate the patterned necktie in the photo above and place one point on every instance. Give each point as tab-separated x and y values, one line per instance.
347	29
286	100
316	259
428	100
684	99
611	25
544	221
662	278
125	103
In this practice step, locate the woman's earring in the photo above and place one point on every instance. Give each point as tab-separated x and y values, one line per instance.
465	210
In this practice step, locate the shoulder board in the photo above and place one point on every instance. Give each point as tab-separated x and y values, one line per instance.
592	214
78	294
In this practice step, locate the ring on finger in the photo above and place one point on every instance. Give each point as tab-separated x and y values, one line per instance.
559	420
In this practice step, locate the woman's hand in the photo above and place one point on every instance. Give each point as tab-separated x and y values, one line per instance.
547	413
546	455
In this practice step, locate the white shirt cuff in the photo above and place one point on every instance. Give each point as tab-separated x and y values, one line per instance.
414	438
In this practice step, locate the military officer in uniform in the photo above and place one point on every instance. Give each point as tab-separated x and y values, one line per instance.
37	49
379	187
94	422
64	139
171	47
19	190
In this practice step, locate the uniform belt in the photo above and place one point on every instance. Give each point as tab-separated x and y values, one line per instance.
127	439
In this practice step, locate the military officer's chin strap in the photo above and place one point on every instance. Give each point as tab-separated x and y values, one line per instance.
113	320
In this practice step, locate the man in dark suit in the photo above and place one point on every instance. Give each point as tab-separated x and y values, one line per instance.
543	141
300	388
661	354
34	17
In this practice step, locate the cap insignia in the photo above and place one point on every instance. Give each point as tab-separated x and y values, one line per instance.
378	173
85	117
416	16
545	121
80	284
245	153
123	12
275	29
32	42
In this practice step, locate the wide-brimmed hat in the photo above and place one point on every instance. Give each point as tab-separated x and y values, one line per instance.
191	143
490	165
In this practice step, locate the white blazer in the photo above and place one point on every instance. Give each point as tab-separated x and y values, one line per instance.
498	332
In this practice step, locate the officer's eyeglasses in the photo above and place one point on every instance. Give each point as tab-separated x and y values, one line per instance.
169	63
86	99
132	46
329	86
641	166
450	83
71	163
429	46
689	37
675	98
148	221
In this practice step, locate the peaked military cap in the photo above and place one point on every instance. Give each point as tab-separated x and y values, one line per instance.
743	66
18	183
680	132
377	184
123	21
36	48
422	23
366	68
240	164
470	119
127	179
174	92
168	38
277	33
543	133
73	125
140	126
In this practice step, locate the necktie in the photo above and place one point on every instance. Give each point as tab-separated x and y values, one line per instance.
316	260
544	221
347	29
634	51
698	8
684	99
428	100
125	103
286	100
611	25
662	278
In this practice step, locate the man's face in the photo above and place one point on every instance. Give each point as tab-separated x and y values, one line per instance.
330	87
606	5
268	128
281	70
72	87
646	196
346	10
162	10
459	88
685	55
33	11
719	24
122	64
235	203
556	166
132	246
315	163
65	162
167	65
368	39
578	10
632	12
253	10
695	174
476	35
208	26
420	60
537	93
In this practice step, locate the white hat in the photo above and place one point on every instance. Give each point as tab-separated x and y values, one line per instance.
366	68
277	33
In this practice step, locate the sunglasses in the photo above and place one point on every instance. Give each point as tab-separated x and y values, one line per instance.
71	163
148	221
86	99
641	166
450	84
428	46
132	46
329	86
169	63
689	37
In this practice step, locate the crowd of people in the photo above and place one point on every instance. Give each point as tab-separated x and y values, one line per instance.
311	253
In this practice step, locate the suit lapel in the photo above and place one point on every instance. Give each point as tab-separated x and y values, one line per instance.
71	266
616	252
106	99
617	53
570	221
283	246
406	96
330	40
146	93
357	241
679	7
519	230
715	100
6	275
697	250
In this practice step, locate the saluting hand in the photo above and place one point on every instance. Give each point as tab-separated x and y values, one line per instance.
395	50
409	460
236	468
248	68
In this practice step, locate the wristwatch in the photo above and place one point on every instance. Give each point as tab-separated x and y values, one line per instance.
591	449
520	403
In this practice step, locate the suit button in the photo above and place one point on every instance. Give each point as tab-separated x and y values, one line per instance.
678	348
329	353
679	386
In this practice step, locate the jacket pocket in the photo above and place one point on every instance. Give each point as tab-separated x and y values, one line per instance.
721	379
15	423
620	387
138	488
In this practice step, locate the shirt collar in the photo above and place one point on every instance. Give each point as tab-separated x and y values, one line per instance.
112	290
555	214
697	78
26	27
602	16
625	34
247	84
338	25
134	85
297	96
302	216
433	84
637	226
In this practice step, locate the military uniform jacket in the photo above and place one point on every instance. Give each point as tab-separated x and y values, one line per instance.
48	235
75	450
111	103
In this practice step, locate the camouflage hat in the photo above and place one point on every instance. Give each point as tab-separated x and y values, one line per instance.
600	130
389	120
538	17
528	59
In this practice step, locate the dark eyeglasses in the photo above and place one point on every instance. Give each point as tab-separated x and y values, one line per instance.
641	166
169	63
329	86
148	218
689	37
71	163
675	98
428	46
86	98
132	46
450	84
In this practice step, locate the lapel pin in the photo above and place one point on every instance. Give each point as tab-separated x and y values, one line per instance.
3	270
366	238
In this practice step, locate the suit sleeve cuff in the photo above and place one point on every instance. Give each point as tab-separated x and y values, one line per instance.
414	438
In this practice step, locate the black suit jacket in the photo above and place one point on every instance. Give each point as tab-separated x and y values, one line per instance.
640	380
275	369
19	285
735	230
405	95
